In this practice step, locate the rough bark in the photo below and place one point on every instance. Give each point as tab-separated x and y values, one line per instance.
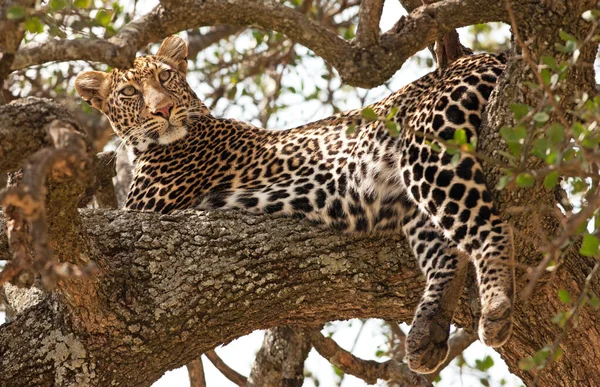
196	373
174	286
539	25
280	360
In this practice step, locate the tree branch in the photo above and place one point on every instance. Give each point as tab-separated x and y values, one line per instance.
457	344
196	373
357	65
227	371
369	15
198	42
368	370
26	203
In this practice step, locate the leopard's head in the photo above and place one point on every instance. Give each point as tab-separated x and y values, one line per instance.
148	103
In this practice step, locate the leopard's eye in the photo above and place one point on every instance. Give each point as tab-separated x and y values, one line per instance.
164	76
128	91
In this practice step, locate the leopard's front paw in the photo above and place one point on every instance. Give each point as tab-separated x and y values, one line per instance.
495	325
427	344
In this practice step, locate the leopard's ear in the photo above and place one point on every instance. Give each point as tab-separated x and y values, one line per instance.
93	86
175	51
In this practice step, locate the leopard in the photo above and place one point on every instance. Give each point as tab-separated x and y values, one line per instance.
348	172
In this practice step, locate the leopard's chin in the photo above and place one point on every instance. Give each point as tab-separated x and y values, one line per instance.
171	134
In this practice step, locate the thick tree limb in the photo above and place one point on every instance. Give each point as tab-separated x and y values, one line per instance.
357	65
204	279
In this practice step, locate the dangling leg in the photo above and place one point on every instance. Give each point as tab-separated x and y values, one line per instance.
457	200
445	272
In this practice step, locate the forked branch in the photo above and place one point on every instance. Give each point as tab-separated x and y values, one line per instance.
367	63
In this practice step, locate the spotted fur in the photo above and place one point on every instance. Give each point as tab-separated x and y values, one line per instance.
363	181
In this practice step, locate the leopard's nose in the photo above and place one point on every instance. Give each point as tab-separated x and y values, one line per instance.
164	111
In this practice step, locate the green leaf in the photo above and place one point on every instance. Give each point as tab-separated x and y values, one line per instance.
484	382
485	364
503	182
15	12
594	301
551	180
369	114
531	85
527	363
392	113
337	371
556	133
351	130
571	46
525	180
455	159
541	117
34	25
549	61
545	74
434	146
558	354
560	319
56	5
589	246
541	355
519	110
103	17
392	127
564	296
82	3
540	148
460	137
566	36
349	33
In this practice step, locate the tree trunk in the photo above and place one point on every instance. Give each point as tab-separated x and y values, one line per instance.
533	330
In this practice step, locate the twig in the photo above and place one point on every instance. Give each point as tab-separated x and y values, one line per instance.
196	373
229	373
368	370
